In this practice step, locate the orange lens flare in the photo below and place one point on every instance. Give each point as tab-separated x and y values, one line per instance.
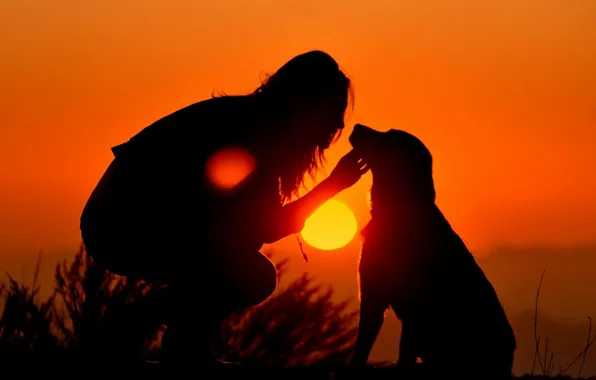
228	167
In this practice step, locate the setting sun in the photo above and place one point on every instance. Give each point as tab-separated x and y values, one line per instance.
332	226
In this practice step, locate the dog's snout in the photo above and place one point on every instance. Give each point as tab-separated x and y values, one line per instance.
362	129
361	134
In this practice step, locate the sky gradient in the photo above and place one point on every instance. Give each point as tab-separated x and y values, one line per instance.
503	93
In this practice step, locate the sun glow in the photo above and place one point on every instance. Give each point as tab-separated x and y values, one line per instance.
330	227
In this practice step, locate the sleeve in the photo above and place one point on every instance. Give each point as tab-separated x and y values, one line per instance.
262	204
248	215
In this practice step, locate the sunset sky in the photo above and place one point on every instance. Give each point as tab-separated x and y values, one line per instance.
503	92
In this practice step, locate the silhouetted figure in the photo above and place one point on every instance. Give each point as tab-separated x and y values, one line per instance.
414	262
156	214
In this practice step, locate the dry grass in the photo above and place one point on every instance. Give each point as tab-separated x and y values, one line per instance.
546	358
94	315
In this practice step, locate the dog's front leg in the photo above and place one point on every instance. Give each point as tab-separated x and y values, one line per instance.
372	314
408	351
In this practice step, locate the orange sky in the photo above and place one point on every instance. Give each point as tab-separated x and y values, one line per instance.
503	93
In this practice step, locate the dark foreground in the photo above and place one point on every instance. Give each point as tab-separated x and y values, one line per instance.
48	366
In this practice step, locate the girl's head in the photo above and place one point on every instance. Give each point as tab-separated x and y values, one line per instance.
305	103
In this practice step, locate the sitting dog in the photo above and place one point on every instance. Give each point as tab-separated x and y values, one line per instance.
414	262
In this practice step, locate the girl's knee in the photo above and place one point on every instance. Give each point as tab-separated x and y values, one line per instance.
246	282
265	282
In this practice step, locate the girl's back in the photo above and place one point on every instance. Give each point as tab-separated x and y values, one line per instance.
154	195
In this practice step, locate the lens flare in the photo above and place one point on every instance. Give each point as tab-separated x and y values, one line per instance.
228	167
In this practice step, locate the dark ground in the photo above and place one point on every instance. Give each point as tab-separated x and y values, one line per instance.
47	366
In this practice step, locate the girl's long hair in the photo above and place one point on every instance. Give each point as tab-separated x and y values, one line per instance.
305	81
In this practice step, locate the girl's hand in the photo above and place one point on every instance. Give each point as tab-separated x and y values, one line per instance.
348	171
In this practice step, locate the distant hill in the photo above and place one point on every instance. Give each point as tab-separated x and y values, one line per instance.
567	299
569	285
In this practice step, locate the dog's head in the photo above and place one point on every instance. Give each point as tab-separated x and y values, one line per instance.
400	163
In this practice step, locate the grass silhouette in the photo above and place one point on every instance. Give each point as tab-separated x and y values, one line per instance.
93	315
545	358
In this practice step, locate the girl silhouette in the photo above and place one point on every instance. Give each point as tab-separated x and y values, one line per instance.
156	214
